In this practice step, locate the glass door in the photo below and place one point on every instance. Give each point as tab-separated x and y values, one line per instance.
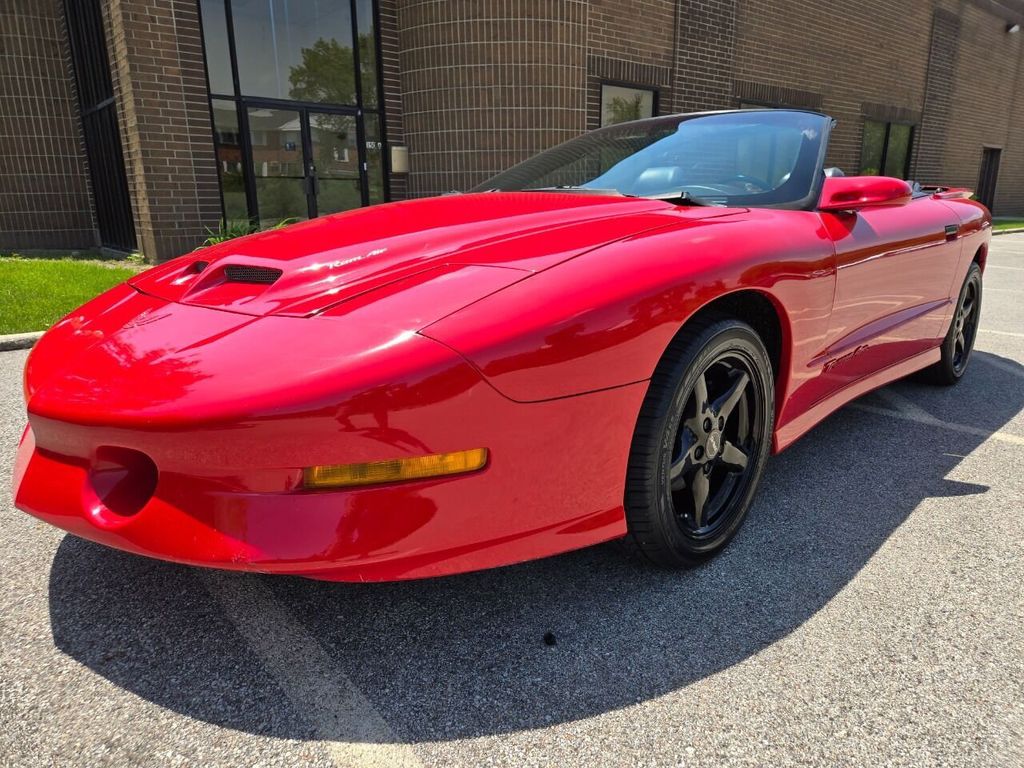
278	164
296	104
335	162
305	162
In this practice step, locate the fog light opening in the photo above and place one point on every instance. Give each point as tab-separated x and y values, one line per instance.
123	480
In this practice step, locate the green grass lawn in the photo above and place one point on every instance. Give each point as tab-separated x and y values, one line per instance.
36	293
1007	223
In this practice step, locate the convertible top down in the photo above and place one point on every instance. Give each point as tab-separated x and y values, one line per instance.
606	341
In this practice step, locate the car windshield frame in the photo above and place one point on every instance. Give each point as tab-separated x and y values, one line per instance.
605	162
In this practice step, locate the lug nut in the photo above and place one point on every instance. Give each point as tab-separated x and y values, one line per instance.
699	453
707	425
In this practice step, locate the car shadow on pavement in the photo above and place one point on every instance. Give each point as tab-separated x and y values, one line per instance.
465	656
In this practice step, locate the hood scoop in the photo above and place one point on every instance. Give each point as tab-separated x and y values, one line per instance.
230	283
242	273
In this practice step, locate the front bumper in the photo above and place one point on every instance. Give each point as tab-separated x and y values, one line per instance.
181	432
554	483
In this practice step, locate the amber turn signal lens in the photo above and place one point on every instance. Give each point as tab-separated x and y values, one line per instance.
394	470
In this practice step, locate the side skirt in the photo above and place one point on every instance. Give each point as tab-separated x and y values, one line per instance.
788	433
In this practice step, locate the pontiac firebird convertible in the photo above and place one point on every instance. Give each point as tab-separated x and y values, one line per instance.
604	342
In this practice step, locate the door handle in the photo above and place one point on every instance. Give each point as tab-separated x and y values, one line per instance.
952	231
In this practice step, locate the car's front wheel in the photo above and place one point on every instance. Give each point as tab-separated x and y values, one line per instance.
701	443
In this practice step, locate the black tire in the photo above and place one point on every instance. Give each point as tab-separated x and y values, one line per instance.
963	328
672	447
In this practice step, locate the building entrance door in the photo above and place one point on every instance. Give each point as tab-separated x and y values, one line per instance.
305	162
989	175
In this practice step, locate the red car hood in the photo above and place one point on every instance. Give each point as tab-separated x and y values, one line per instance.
307	268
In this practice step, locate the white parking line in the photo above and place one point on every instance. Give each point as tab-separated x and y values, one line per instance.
354	730
1001	333
1000	266
903	408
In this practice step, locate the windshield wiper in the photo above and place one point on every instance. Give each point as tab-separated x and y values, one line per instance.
573	188
680	197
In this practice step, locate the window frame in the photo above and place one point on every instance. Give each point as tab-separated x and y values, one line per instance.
885	144
243	102
652	89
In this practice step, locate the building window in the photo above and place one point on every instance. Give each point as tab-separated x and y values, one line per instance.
229	160
622	103
295	103
886	149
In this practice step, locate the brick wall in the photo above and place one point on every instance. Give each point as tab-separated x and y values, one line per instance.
44	189
981	115
705	53
160	88
630	42
1010	189
486	84
473	86
861	59
948	67
482	89
391	78
929	153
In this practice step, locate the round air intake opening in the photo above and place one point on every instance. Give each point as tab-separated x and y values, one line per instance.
123	480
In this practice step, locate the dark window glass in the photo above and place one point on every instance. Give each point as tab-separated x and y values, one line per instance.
766	158
367	52
215	39
374	157
886	149
620	104
305	160
897	151
989	176
276	136
334	143
873	148
229	160
295	49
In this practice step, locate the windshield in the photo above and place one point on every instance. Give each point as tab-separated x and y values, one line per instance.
766	158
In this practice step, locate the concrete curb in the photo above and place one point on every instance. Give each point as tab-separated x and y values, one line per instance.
1007	231
19	340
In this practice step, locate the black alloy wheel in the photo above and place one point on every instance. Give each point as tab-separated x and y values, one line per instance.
701	443
711	458
965	325
963	328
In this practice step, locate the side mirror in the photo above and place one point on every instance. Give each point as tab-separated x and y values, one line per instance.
851	193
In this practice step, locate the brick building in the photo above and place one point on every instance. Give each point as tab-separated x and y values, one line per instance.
141	123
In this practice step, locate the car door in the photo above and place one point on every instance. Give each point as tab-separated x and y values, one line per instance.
894	268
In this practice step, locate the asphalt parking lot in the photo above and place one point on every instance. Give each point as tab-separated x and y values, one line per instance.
869	613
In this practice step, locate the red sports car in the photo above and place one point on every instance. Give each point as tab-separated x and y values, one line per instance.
604	342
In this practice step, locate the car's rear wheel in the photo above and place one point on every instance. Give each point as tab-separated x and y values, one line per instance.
959	342
701	443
